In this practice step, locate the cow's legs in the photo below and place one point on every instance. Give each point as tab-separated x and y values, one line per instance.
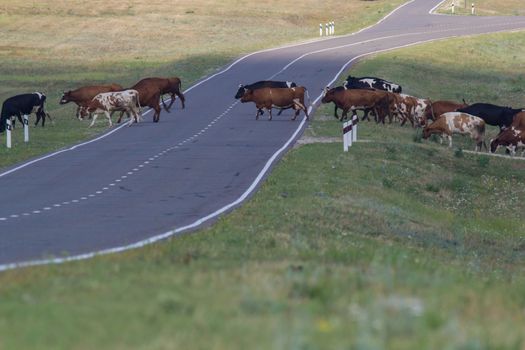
449	141
257	114
167	108
156	116
109	117
270	112
78	113
95	115
335	111
344	115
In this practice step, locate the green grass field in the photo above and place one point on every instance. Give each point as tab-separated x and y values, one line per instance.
397	244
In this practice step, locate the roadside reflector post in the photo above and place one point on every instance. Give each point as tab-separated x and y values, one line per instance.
347	135
320	29
355	119
472	8
453	6
333	28
8	127
26	128
326	29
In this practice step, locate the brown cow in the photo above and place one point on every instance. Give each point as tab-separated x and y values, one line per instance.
512	138
437	108
84	95
519	121
149	90
282	98
358	99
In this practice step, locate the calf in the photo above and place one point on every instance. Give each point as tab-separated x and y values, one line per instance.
83	95
372	82
24	104
124	101
492	114
282	98
512	138
411	108
357	99
457	123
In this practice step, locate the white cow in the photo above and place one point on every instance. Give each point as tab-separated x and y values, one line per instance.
107	102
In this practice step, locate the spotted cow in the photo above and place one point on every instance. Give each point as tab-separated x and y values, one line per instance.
457	123
123	101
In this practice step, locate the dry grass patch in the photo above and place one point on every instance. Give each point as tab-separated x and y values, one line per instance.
112	30
485	7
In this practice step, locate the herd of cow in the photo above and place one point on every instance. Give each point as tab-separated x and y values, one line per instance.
385	100
96	99
382	98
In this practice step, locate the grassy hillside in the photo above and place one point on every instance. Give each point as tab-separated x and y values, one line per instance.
485	7
56	45
397	244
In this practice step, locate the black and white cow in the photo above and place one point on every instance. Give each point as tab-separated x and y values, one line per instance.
24	104
492	114
263	84
371	82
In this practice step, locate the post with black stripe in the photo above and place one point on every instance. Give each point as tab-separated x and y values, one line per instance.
355	119
8	127
26	128
347	135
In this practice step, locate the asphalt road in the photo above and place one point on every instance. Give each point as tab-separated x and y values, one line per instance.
147	182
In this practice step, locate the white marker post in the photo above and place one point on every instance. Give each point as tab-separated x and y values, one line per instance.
8	127
347	135
320	29
326	29
333	28
26	128
355	119
472	8
453	6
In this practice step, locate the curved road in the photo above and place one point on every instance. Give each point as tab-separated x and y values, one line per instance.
136	185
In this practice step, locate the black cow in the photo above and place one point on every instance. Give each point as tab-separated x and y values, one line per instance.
492	114
371	82
24	104
262	84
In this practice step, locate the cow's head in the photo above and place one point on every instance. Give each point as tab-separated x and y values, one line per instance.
426	133
247	95
66	97
240	91
328	95
83	112
494	144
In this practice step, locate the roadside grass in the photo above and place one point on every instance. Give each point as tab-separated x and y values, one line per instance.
397	244
336	250
484	7
56	45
